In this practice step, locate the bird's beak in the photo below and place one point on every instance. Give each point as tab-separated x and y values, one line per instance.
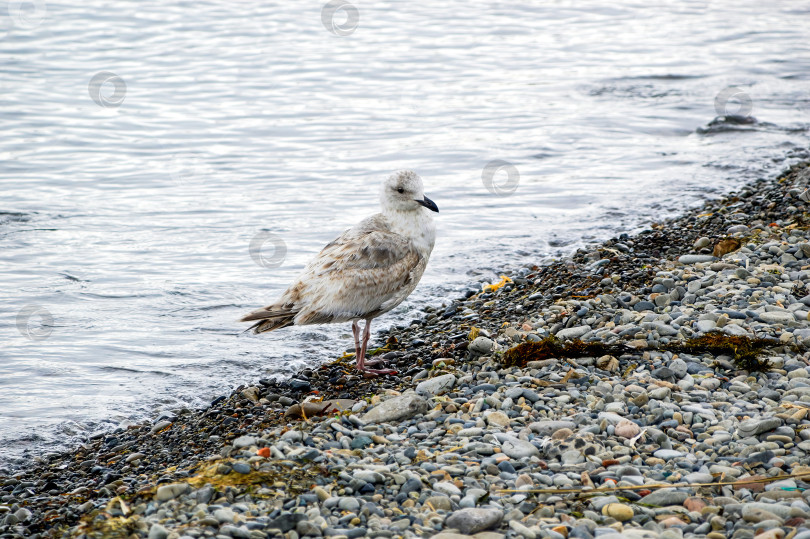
429	204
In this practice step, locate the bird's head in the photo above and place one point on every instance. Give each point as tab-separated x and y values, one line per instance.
403	191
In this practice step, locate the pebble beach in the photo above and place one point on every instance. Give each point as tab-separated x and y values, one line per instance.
652	386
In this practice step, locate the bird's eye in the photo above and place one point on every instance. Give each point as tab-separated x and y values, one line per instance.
400	190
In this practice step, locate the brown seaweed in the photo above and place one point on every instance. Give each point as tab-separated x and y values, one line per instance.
745	351
551	347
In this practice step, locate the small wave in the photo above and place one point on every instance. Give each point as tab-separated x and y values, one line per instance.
112	368
73	278
738	123
224	331
732	122
13	217
217	307
635	91
149	353
116	296
558	242
667	76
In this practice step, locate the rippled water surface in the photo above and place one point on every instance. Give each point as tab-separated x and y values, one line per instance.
125	225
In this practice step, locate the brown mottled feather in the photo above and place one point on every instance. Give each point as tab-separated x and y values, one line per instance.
365	272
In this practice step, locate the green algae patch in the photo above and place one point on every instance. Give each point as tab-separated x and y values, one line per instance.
273	479
551	347
291	477
745	351
102	526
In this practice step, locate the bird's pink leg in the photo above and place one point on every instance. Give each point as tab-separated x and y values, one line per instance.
361	358
356	333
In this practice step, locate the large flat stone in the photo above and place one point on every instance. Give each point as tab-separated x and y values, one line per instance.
397	409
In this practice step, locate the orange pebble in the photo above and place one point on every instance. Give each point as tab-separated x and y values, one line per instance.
264	452
562	530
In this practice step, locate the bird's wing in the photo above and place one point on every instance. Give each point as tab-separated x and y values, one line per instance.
365	271
355	275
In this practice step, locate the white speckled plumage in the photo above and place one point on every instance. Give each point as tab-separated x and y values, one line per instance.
367	271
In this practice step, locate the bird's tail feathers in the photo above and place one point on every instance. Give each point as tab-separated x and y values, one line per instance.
269	318
269	325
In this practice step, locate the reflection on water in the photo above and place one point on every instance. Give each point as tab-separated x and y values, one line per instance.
145	147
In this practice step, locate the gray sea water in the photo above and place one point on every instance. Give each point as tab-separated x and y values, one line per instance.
147	145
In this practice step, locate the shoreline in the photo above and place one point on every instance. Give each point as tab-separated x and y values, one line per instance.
490	449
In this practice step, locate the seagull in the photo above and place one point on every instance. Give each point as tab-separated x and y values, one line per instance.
364	273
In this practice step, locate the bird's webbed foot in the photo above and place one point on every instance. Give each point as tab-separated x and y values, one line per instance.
374	373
